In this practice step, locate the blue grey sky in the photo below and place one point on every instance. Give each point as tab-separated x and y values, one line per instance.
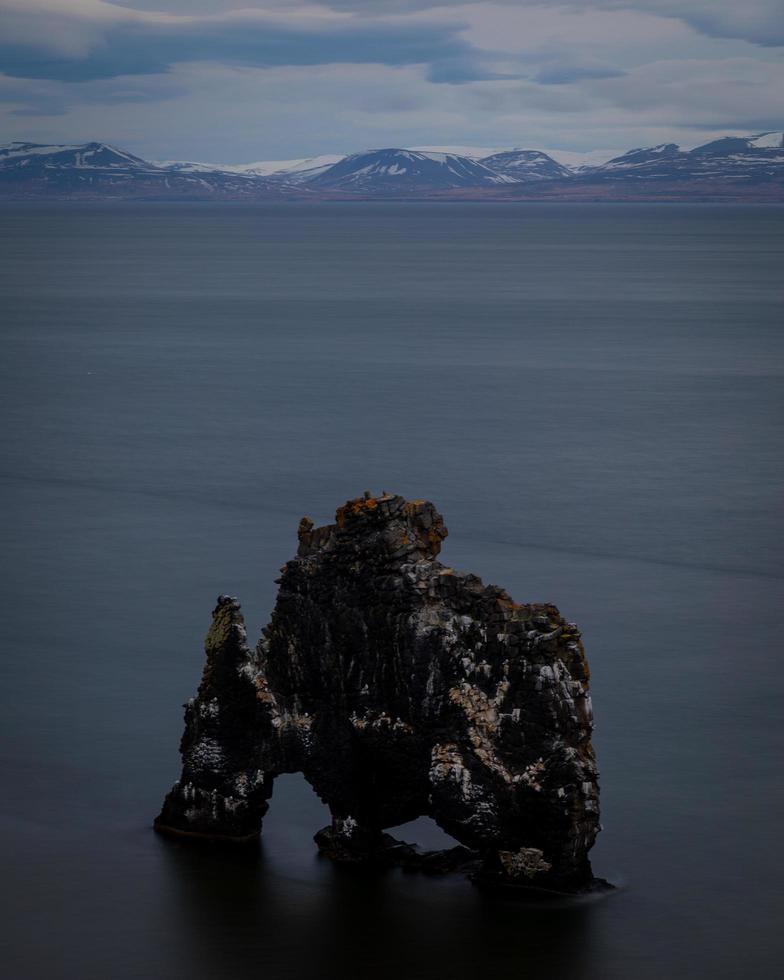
244	80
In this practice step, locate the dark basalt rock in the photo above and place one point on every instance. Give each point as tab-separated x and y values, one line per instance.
399	688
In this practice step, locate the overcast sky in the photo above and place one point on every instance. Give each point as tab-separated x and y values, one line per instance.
243	80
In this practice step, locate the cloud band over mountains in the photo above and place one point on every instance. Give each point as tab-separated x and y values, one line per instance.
266	76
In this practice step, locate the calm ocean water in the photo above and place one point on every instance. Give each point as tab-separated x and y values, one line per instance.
593	398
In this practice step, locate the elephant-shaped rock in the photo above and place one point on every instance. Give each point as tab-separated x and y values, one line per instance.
399	688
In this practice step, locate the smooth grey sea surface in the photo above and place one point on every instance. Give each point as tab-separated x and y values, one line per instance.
592	396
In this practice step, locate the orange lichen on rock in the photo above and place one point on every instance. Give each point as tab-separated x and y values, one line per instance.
354	508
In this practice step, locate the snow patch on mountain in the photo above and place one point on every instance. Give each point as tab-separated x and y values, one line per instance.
525	165
577	161
472	152
262	168
8	151
767	140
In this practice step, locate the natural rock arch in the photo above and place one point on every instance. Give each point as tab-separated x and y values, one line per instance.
399	688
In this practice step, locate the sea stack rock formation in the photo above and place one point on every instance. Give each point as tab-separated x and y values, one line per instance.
399	688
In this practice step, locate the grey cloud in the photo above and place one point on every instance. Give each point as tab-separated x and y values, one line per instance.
758	21
41	98
528	96
701	94
33	112
461	70
761	23
151	47
567	74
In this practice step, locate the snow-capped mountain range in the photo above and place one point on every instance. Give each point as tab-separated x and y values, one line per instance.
393	169
739	166
732	156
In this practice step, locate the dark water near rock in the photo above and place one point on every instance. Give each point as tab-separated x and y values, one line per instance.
591	395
